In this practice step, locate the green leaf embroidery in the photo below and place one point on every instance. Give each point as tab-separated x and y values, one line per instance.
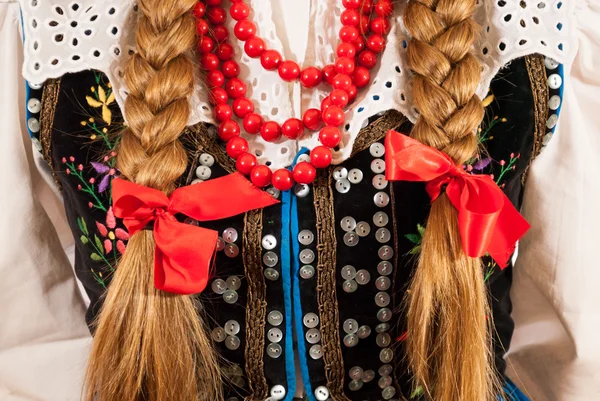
415	250
96	257
420	229
414	238
417	392
82	225
84	240
98	242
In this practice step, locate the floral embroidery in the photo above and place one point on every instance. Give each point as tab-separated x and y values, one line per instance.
102	98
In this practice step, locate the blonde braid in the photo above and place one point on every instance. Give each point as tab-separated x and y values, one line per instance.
150	345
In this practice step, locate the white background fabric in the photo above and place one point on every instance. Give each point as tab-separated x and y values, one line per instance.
43	338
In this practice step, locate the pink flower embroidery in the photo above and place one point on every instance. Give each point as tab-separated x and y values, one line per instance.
111	232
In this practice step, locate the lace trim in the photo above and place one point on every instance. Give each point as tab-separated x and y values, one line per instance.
49	102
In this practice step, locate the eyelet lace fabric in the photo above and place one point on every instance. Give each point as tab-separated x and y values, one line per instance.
64	36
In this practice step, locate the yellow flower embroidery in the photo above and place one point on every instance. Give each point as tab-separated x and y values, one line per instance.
103	102
487	101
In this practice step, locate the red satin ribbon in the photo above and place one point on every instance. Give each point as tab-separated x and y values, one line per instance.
488	221
184	253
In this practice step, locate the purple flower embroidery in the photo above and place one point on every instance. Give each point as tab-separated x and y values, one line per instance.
481	164
106	172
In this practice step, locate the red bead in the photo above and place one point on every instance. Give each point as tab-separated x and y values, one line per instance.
216	15
344	65
242	107
245	163
228	129
325	103
380	26
363	27
205	44
235	88
261	176
236	147
384	8
359	45
230	69
209	61
270	131
329	73
330	136
366	6
213	2
252	123
376	43
311	77
220	33
350	17
361	77
342	81
224	51
367	59
254	47
348	33
223	112
199	10
270	59
292	128
312	119
239	11
346	50
215	78
289	70
282	179
339	97
334	115
244	29
352	92
219	96
304	173
351	3
320	157
202	27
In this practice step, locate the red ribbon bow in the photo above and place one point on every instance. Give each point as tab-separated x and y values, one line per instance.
488	221
184	253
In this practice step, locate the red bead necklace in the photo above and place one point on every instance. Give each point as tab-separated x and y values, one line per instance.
365	25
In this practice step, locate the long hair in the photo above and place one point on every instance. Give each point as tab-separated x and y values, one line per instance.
150	345
449	340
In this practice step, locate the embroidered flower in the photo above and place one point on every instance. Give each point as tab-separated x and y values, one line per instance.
106	172
110	233
102	101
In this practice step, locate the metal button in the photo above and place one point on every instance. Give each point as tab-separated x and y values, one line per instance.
351	239
350	340
368	375
269	242
275	335
340	173
232	250
321	393
379	182
383	283
315	352
380	219
206	160
386	252
355	385
271	274
384	268
348	272
378	166
385	370
384	315
218	334
554	102
203	172
383	340
350	326
348	224
342	186
230	235
270	259
232	327
363	277
278	392
383	235
34	126
230	296
388	393
34	105
274	192
233	283
363	332
355	176
311	320
382	327
306	237
301	190
382	299
307	271
307	256
386	355
381	199
219	286
349	286
274	350
313	336
377	149
384	381
232	343
220	244
356	373
363	228
275	318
